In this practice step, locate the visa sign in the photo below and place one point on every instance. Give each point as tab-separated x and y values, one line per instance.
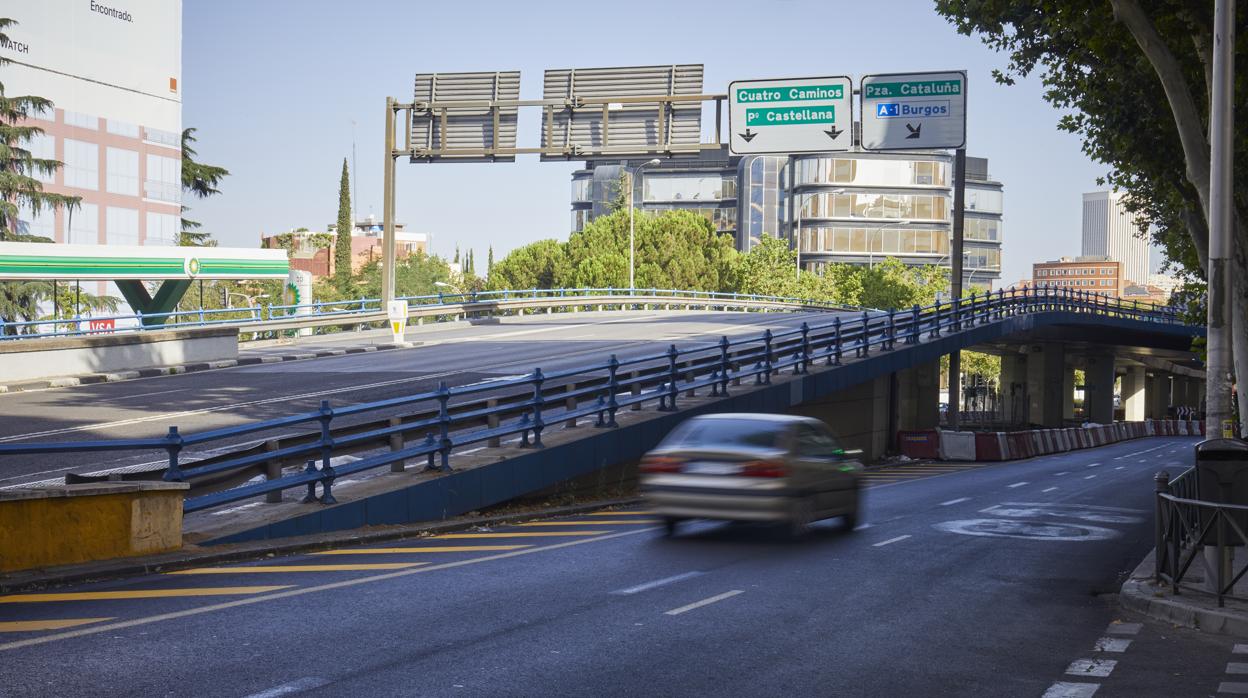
904	110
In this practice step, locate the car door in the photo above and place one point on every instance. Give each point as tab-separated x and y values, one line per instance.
846	469
815	454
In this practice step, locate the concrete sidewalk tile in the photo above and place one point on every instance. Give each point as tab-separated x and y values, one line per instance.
1191	610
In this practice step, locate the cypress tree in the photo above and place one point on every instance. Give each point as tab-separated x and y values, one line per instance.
489	260
342	245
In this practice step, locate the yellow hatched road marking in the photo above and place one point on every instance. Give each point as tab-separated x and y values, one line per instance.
138	594
27	626
302	568
515	534
441	549
598	522
620	513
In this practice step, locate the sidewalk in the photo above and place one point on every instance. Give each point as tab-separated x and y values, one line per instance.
1190	609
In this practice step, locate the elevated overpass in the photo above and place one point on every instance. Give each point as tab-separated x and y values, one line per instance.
866	374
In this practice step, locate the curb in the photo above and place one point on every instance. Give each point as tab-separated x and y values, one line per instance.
1141	595
118	376
133	567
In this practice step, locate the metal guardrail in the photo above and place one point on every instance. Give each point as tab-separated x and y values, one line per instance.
487	412
1186	525
277	318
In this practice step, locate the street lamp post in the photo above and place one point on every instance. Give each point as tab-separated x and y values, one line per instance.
632	247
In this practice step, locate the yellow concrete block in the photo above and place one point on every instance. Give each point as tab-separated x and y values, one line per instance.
96	521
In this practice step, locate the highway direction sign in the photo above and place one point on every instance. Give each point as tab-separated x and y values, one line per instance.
909	111
794	115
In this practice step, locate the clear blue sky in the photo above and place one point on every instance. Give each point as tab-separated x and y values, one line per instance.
274	88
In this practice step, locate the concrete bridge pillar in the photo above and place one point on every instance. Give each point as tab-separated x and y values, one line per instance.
1190	395
1068	392
1045	366
918	397
858	416
1157	395
1133	393
1014	387
1098	388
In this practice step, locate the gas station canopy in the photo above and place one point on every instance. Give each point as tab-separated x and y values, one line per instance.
48	262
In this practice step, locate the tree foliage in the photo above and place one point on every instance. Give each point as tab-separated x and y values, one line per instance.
541	264
342	244
202	181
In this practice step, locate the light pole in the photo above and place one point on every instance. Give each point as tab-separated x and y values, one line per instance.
877	231
632	247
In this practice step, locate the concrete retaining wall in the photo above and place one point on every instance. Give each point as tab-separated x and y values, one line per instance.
31	359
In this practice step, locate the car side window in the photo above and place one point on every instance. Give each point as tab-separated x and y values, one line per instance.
816	443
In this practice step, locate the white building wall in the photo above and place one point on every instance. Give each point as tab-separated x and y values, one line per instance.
1109	231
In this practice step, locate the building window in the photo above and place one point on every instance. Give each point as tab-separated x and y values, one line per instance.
42	225
75	118
42	147
985	200
82	164
825	170
122	128
862	205
582	189
162	229
169	138
122	167
164	179
84	225
121	226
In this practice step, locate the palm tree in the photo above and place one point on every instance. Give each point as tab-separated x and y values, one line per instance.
20	190
201	180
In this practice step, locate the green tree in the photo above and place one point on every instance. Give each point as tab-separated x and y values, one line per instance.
620	192
676	249
1105	66
342	245
769	269
413	276
541	264
20	191
489	261
201	181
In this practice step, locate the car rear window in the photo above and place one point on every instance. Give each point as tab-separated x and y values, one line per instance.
725	432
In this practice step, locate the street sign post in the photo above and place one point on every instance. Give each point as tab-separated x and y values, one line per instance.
914	111
795	115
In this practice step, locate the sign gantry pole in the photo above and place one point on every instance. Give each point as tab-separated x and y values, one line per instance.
387	210
1222	141
955	282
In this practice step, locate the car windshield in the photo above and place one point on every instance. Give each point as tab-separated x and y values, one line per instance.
721	433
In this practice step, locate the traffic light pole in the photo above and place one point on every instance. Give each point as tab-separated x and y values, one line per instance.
387	210
955	283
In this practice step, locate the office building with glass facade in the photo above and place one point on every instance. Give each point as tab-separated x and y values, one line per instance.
857	207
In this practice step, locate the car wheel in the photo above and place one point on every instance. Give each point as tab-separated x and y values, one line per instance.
852	517
669	526
801	517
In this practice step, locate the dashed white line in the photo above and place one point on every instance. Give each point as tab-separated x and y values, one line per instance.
951	502
1121	467
703	602
890	541
1093	465
1089	477
1064	472
657	583
1237	667
1112	644
1049	489
1067	689
1099	668
1117	628
1233	687
1017	484
1240	649
305	684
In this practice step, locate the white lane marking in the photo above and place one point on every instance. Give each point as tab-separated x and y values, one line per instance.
1099	668
158	392
1049	489
657	583
1089	477
951	502
1233	687
305	684
1093	465
1121	467
1067	689
862	527
703	602
1017	484
1240	649
1112	644
1064	472
1237	667
890	541
1117	628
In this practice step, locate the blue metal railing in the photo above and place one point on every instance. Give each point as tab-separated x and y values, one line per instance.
526	406
108	324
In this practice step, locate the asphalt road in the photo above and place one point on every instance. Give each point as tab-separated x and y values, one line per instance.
964	581
458	354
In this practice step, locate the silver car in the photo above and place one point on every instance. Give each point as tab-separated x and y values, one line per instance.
752	467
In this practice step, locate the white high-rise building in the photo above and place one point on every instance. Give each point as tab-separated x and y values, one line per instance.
1109	231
